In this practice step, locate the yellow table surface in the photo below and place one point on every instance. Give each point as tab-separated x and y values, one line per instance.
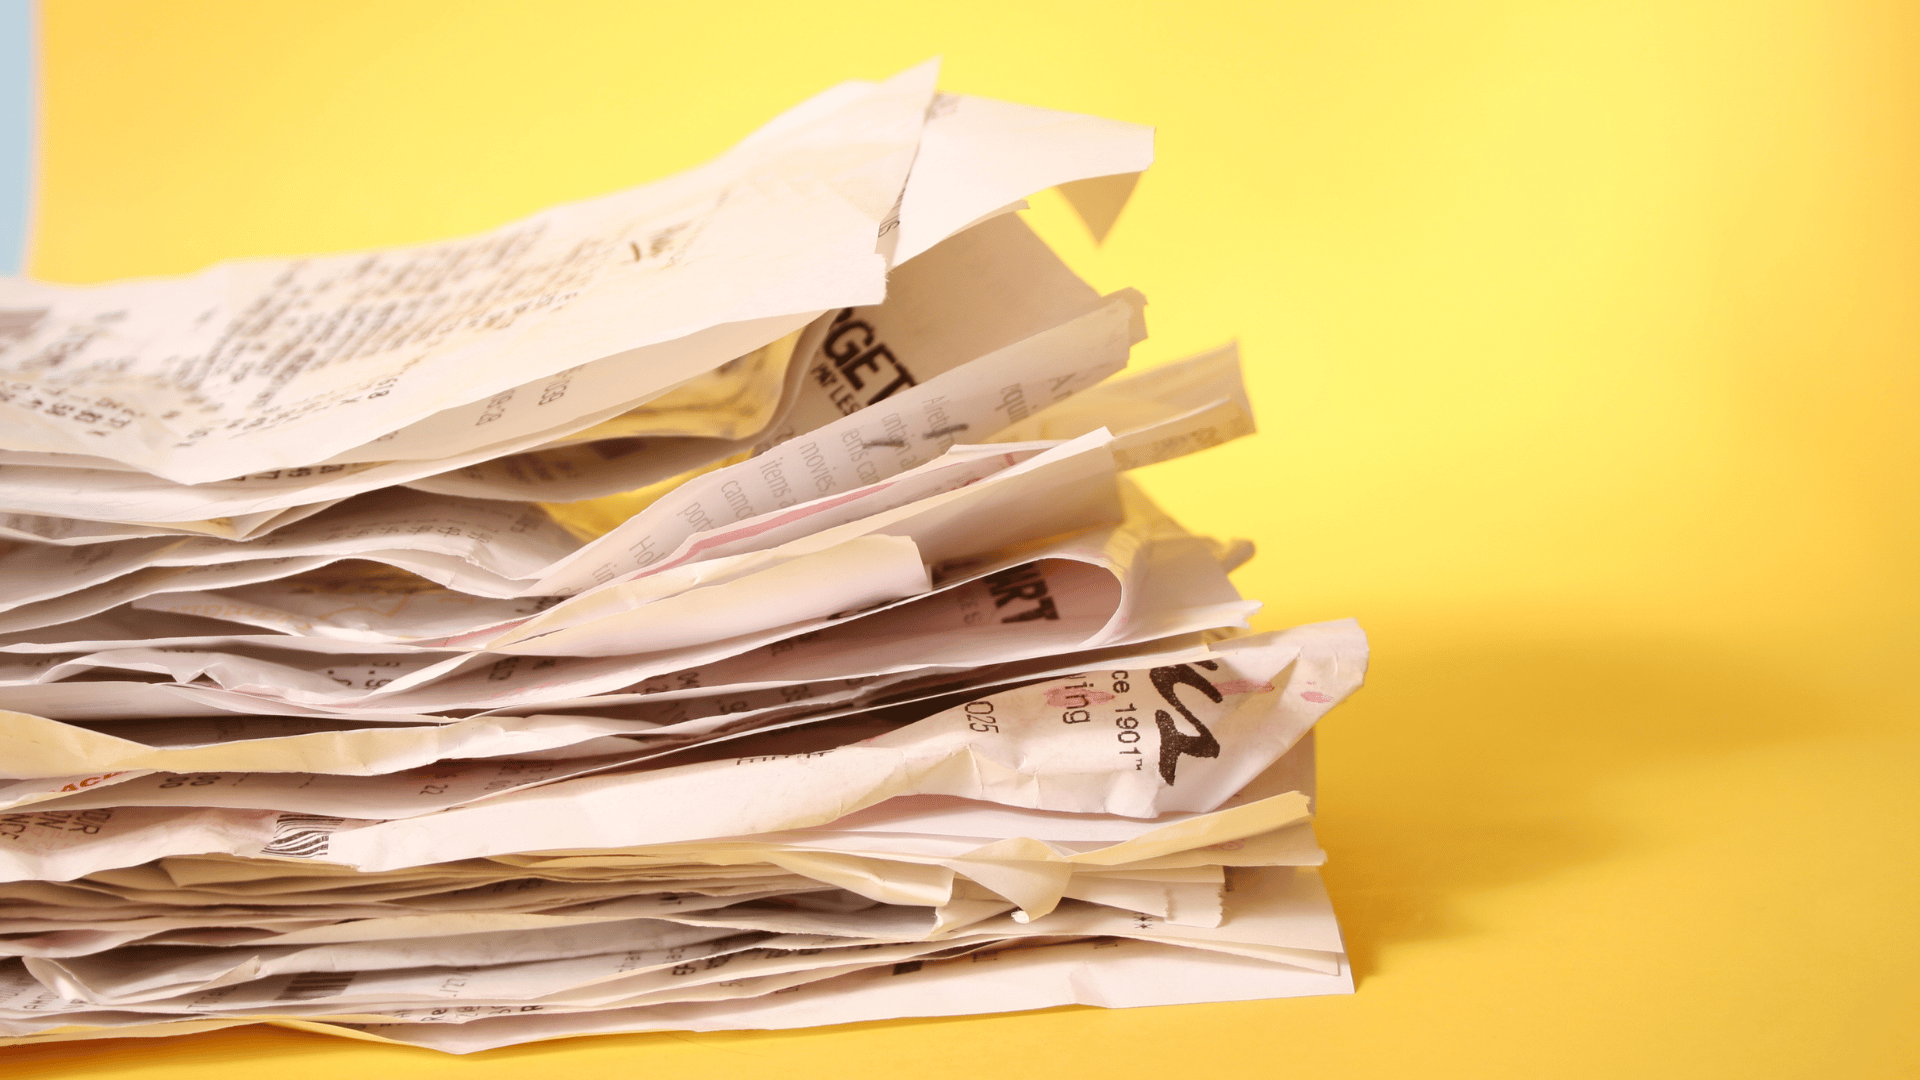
1584	340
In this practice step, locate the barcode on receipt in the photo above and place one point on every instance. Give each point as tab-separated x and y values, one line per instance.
301	836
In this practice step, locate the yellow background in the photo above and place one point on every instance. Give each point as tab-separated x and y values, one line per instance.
1584	340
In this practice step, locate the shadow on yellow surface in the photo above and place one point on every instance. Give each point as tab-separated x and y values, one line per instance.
1483	763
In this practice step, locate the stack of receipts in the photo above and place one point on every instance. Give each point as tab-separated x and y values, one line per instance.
718	605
